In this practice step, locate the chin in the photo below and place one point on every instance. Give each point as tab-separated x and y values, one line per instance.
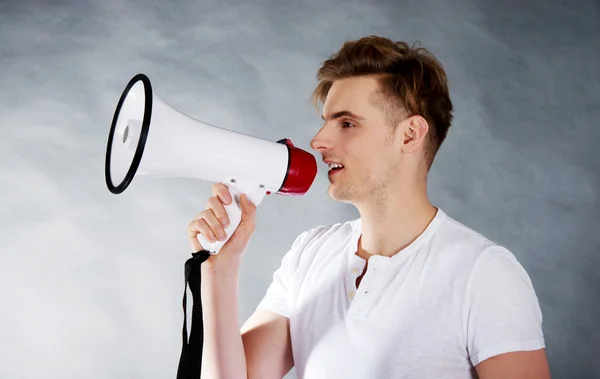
340	194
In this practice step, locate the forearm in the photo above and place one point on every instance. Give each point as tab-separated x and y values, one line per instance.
223	353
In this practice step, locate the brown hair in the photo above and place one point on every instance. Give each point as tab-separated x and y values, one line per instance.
412	82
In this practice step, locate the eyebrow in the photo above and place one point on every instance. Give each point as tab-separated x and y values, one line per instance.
344	113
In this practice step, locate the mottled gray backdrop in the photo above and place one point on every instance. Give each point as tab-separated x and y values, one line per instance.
91	283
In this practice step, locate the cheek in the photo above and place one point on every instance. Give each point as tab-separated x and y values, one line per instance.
367	156
378	163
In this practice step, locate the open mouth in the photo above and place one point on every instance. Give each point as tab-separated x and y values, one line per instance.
335	168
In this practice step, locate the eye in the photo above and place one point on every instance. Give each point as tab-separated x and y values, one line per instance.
347	124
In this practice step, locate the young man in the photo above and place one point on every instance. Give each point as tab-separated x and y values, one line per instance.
405	291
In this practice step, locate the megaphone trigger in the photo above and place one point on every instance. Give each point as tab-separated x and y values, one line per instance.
255	193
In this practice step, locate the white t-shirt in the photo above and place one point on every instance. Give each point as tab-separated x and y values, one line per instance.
448	301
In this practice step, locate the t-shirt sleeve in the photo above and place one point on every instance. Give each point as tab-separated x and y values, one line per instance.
278	296
502	313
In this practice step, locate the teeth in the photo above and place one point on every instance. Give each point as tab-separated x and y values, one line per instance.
335	165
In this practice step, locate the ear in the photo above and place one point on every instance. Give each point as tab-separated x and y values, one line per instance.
414	130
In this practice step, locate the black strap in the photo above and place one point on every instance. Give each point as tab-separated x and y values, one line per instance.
190	362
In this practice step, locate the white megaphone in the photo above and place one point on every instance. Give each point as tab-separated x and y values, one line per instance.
150	139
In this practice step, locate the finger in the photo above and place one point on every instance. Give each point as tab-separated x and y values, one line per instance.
248	207
196	245
248	215
221	190
201	214
214	224
219	210
199	227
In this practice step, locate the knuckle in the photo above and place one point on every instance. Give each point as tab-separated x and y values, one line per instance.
218	187
225	195
211	202
200	223
221	216
201	227
201	215
224	220
193	225
215	225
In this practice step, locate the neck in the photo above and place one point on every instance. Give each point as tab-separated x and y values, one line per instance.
391	221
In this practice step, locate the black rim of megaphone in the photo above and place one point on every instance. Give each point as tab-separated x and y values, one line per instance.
139	151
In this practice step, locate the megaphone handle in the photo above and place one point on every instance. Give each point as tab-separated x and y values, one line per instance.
254	192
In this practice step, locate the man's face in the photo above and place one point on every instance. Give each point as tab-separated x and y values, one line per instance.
356	135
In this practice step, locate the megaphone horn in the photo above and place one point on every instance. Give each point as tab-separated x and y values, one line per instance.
150	139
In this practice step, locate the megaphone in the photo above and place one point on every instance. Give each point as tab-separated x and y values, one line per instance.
150	139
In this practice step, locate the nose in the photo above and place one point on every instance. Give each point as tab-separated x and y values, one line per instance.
320	141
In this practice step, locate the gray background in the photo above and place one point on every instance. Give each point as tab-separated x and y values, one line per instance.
91	283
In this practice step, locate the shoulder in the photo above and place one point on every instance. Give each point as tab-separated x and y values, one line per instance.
322	234
491	273
499	269
465	250
466	241
321	238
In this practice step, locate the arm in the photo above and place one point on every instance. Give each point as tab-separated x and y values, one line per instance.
261	349
264	349
223	351
266	339
503	320
266	334
515	365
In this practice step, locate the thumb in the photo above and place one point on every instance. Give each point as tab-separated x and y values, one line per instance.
248	208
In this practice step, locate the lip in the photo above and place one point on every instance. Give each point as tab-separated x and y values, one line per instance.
333	172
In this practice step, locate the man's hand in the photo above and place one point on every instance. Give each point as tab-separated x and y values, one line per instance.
212	221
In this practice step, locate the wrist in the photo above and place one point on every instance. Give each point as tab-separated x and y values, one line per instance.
222	264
